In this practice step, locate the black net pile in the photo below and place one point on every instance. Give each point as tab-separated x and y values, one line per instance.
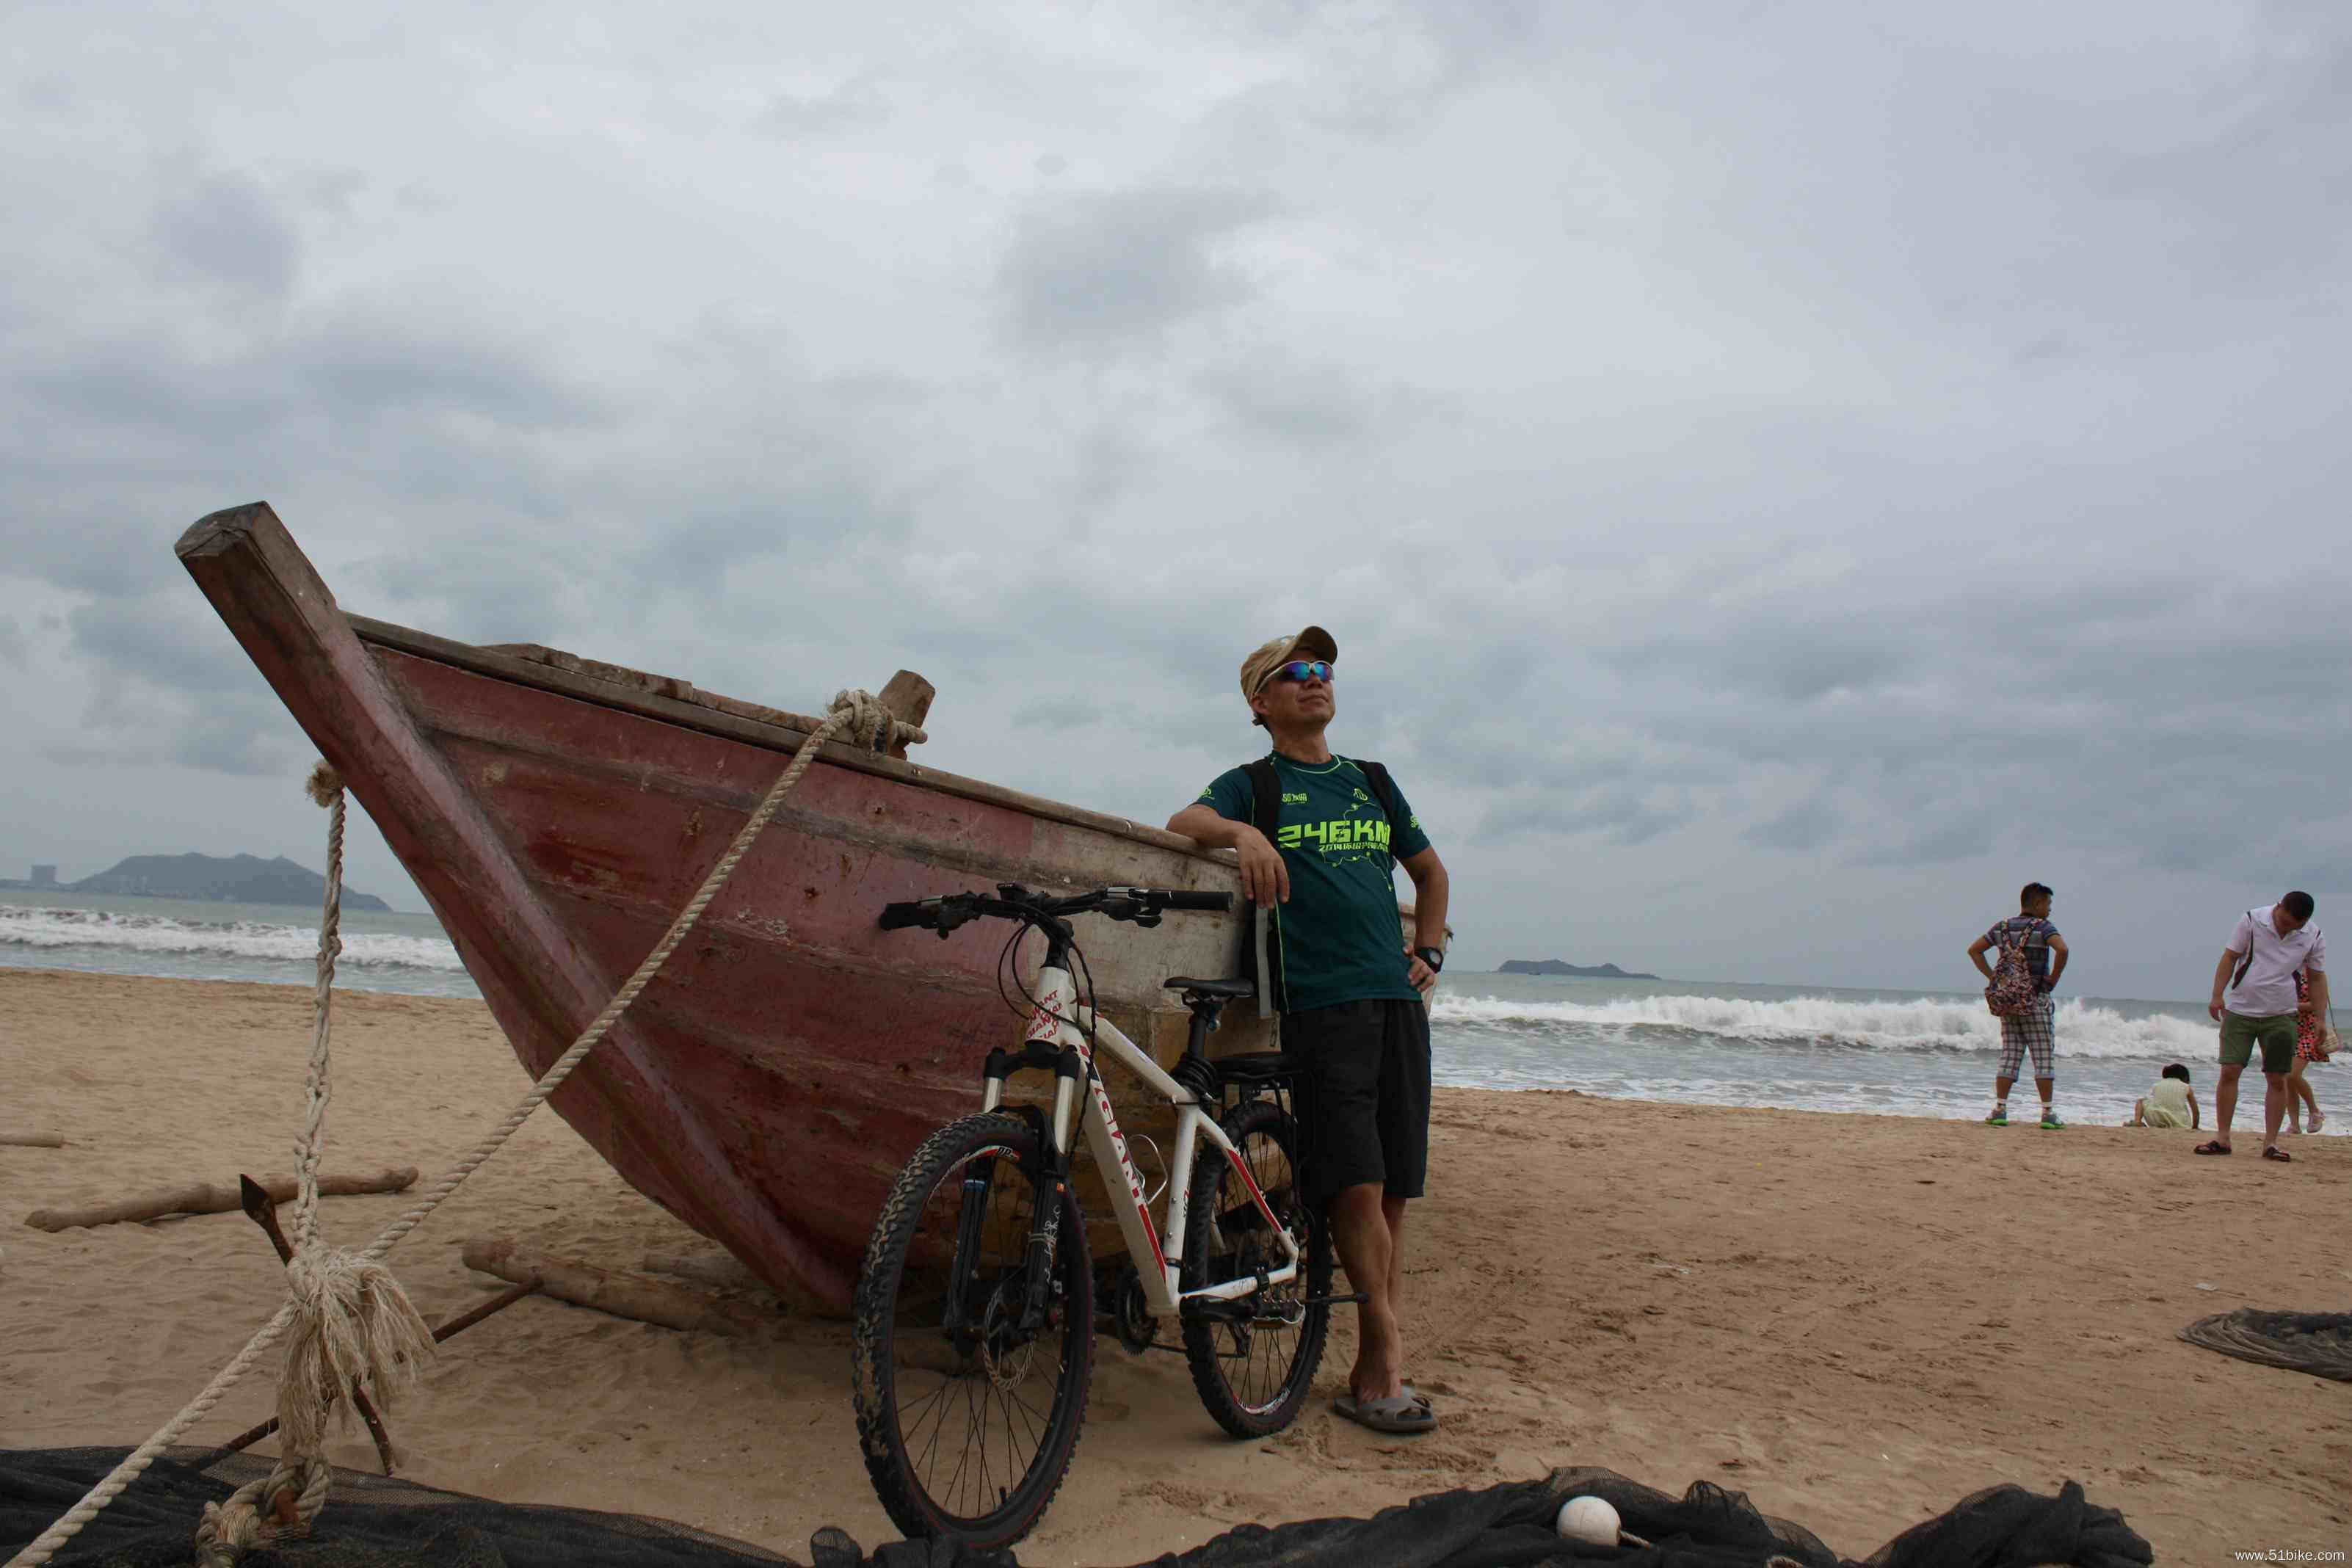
375	1522
2317	1343
370	1521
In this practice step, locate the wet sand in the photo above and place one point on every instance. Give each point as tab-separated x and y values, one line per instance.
1856	1320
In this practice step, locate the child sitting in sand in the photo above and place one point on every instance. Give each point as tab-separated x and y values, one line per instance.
2168	1104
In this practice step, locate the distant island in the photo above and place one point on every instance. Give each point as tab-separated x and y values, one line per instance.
212	878
1554	966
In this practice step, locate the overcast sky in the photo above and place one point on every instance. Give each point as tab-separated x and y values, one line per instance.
1779	475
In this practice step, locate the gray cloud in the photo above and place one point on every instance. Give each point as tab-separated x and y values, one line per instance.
224	229
1102	269
1304	404
1621	814
851	105
1808	825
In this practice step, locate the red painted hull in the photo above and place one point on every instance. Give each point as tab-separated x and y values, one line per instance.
769	1083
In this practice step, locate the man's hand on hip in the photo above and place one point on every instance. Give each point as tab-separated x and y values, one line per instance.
1265	879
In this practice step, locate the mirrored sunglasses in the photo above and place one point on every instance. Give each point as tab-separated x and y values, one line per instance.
1304	669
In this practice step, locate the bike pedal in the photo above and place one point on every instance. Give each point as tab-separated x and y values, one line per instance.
1355	1297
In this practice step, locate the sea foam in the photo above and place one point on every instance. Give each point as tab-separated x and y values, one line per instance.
1918	1024
229	940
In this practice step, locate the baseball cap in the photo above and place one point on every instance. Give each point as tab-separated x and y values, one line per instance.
1312	643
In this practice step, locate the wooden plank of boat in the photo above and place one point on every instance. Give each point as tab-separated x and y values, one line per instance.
556	812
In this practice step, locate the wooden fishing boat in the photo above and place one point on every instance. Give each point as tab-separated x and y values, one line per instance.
558	812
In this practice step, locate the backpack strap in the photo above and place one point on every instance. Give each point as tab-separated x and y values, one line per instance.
1265	797
2248	962
1266	816
1384	790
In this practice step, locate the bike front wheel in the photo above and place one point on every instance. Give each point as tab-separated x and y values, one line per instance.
970	1369
1252	1358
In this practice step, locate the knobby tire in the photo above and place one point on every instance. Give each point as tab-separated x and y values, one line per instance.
927	1402
1253	1378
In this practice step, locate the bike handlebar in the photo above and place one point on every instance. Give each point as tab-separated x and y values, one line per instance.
1010	901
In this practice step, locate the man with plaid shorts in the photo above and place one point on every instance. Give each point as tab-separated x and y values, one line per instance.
2031	1030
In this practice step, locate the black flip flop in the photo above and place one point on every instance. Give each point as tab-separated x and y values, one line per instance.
2281	1155
2210	1147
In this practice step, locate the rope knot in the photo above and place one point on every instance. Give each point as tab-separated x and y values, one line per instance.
872	727
353	1321
323	784
279	1507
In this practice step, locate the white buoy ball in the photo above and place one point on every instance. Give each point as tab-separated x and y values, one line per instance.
1590	1519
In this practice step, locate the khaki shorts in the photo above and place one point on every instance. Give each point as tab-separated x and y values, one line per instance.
2275	1034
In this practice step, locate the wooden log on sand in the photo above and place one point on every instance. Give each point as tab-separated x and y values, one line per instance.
210	1197
718	1268
624	1295
31	1140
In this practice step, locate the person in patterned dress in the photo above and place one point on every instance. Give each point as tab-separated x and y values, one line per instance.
2314	1042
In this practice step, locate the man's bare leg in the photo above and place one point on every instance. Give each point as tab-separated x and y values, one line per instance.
2274	1107
1362	1233
2225	1102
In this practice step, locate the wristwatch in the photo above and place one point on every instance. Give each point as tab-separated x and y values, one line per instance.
1432	956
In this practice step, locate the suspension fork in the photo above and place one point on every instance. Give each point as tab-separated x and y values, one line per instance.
1048	1184
1045	1236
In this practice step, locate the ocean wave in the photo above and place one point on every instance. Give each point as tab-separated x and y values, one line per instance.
233	940
1920	1024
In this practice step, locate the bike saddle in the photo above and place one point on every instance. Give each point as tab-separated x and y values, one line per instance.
1228	989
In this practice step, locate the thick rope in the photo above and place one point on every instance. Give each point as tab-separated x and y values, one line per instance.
352	1321
868	723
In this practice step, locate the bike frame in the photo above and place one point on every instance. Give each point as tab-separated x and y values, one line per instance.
1058	1021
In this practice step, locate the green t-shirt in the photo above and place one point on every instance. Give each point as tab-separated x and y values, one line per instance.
1340	940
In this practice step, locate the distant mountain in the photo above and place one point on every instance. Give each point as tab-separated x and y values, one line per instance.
1554	966
236	879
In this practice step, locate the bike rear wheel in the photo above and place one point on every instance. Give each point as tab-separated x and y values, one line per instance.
1252	1369
968	1418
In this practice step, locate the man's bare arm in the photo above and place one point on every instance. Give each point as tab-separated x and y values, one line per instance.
2057	964
2318	994
1976	956
1265	879
1431	890
2221	978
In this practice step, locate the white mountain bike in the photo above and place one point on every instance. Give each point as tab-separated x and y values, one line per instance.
976	1304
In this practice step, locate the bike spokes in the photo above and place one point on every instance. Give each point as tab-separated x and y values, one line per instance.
1253	1357
969	1427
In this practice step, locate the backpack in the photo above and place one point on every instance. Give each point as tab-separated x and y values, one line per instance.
1266	816
2013	992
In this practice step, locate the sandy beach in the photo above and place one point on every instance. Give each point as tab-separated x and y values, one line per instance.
1856	1320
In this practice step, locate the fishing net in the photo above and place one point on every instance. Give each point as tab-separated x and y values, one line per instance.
2317	1343
376	1523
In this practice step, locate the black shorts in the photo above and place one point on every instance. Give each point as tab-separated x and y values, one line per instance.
1363	1095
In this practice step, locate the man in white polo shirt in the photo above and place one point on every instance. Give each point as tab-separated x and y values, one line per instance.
2254	997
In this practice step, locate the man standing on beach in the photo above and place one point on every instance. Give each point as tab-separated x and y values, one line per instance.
2253	998
1349	990
2032	1030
